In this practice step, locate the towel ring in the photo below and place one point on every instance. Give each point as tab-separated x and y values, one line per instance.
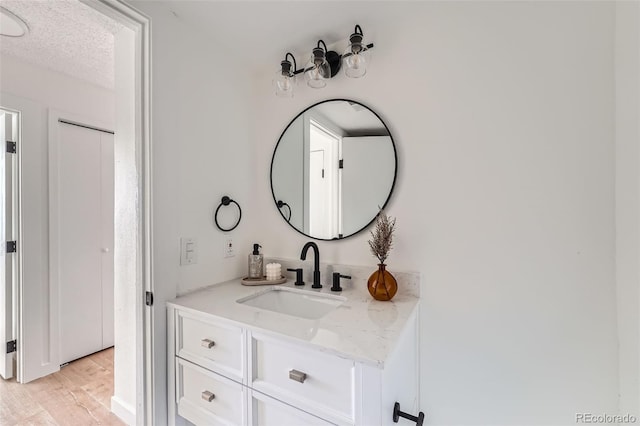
225	202
282	204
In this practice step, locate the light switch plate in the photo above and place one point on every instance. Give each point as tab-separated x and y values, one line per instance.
188	251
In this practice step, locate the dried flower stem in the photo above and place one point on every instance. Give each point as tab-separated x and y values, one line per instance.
382	236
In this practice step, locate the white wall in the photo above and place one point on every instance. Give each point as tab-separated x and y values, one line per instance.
200	152
34	90
503	115
627	52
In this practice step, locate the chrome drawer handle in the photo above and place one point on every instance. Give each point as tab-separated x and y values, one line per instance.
298	376
207	343
208	396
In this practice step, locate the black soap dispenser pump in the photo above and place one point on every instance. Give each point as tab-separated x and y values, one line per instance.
256	263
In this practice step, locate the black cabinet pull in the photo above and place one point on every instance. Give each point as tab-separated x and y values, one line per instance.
397	414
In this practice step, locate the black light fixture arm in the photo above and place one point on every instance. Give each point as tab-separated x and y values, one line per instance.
295	66
324	45
286	65
356	37
358	30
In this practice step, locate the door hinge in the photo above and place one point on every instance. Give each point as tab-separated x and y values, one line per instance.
148	298
12	346
12	246
341	164
12	147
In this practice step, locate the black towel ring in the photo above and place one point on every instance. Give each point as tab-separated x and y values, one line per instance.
225	202
280	205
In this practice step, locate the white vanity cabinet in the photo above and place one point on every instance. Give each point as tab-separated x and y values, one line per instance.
225	372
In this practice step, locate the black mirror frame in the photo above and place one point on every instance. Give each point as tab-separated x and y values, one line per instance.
393	184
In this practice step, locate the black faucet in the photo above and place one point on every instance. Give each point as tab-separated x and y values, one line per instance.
316	262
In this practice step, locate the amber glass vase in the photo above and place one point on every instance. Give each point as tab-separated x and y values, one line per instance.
382	285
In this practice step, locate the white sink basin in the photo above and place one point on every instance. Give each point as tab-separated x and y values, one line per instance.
294	302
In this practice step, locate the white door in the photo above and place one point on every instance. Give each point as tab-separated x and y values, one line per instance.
85	240
322	178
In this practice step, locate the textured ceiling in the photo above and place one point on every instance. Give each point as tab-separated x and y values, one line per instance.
65	36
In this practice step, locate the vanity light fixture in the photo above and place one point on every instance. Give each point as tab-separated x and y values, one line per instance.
324	64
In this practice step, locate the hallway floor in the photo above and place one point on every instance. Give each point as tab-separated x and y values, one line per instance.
79	394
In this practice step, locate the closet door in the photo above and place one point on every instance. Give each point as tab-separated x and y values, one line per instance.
85	234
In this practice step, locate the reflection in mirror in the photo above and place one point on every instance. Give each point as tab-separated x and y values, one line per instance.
333	168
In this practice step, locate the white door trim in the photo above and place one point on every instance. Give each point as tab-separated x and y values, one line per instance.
145	365
6	288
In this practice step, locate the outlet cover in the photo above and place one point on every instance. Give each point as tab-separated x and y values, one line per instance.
229	249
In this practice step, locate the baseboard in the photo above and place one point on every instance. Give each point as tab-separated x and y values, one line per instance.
124	411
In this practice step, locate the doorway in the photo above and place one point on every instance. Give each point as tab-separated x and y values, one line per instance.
133	160
323	174
133	179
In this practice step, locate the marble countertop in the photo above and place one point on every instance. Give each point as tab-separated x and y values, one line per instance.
361	329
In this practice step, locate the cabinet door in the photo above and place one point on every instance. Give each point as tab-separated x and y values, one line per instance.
214	345
207	398
266	411
316	382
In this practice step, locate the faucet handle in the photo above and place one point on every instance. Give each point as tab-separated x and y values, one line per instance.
336	281
298	272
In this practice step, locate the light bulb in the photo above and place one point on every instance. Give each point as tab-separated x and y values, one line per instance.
284	86
317	69
315	78
356	66
284	80
356	56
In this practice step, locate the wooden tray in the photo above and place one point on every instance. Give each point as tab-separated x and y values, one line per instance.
262	281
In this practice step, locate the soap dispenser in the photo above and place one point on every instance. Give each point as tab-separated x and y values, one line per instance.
256	262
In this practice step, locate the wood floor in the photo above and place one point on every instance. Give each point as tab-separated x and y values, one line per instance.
79	394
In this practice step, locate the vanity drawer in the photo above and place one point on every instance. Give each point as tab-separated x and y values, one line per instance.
216	346
313	381
266	411
206	398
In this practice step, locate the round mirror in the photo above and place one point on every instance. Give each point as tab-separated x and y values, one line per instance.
333	168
